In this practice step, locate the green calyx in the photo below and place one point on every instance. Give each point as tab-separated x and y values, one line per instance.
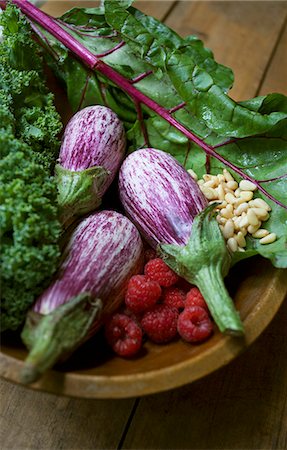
79	191
205	261
54	337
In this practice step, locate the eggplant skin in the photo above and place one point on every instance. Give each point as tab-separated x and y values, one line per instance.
104	251
159	196
94	136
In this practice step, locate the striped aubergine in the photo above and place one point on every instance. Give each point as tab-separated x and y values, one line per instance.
92	149
160	196
167	206
103	252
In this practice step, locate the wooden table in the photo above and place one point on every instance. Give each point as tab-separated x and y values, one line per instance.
241	406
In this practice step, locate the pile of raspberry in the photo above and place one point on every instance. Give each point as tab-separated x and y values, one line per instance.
161	307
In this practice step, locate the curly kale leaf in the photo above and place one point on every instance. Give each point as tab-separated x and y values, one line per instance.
29	127
36	120
29	229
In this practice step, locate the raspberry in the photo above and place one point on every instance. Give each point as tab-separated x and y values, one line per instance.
194	324
149	254
124	335
142	293
195	298
160	324
136	317
174	297
157	270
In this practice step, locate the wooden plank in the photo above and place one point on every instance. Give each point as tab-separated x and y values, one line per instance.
57	8
241	406
244	404
276	75
30	419
43	421
154	8
241	35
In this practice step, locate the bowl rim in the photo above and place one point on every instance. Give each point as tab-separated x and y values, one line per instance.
78	385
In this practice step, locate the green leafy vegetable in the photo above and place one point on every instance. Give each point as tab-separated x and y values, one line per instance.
175	99
29	126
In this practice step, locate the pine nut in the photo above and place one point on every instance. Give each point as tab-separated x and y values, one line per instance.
238	201
261	213
232	244
220	178
227	175
252	218
226	213
222	205
247	185
228	229
243	231
232	185
260	233
207	177
241	208
268	239
236	224
253	228
230	198
216	182
246	195
220	191
238	212
210	183
240	239
193	174
208	192
244	222
259	203
266	217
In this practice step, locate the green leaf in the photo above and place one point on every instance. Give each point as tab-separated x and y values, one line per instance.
179	72
214	107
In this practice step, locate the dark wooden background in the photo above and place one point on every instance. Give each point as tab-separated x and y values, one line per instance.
241	406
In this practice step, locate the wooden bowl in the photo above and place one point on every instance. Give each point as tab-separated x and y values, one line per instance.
258	290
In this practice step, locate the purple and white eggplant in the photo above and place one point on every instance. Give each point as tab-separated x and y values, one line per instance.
103	252
167	206
92	150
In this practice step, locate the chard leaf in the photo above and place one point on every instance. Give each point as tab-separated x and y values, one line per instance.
264	158
213	106
190	90
140	39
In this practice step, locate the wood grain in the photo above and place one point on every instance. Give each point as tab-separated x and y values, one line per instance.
34	420
276	73
158	9
242	406
241	35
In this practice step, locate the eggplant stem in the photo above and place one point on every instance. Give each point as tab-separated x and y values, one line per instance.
58	334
